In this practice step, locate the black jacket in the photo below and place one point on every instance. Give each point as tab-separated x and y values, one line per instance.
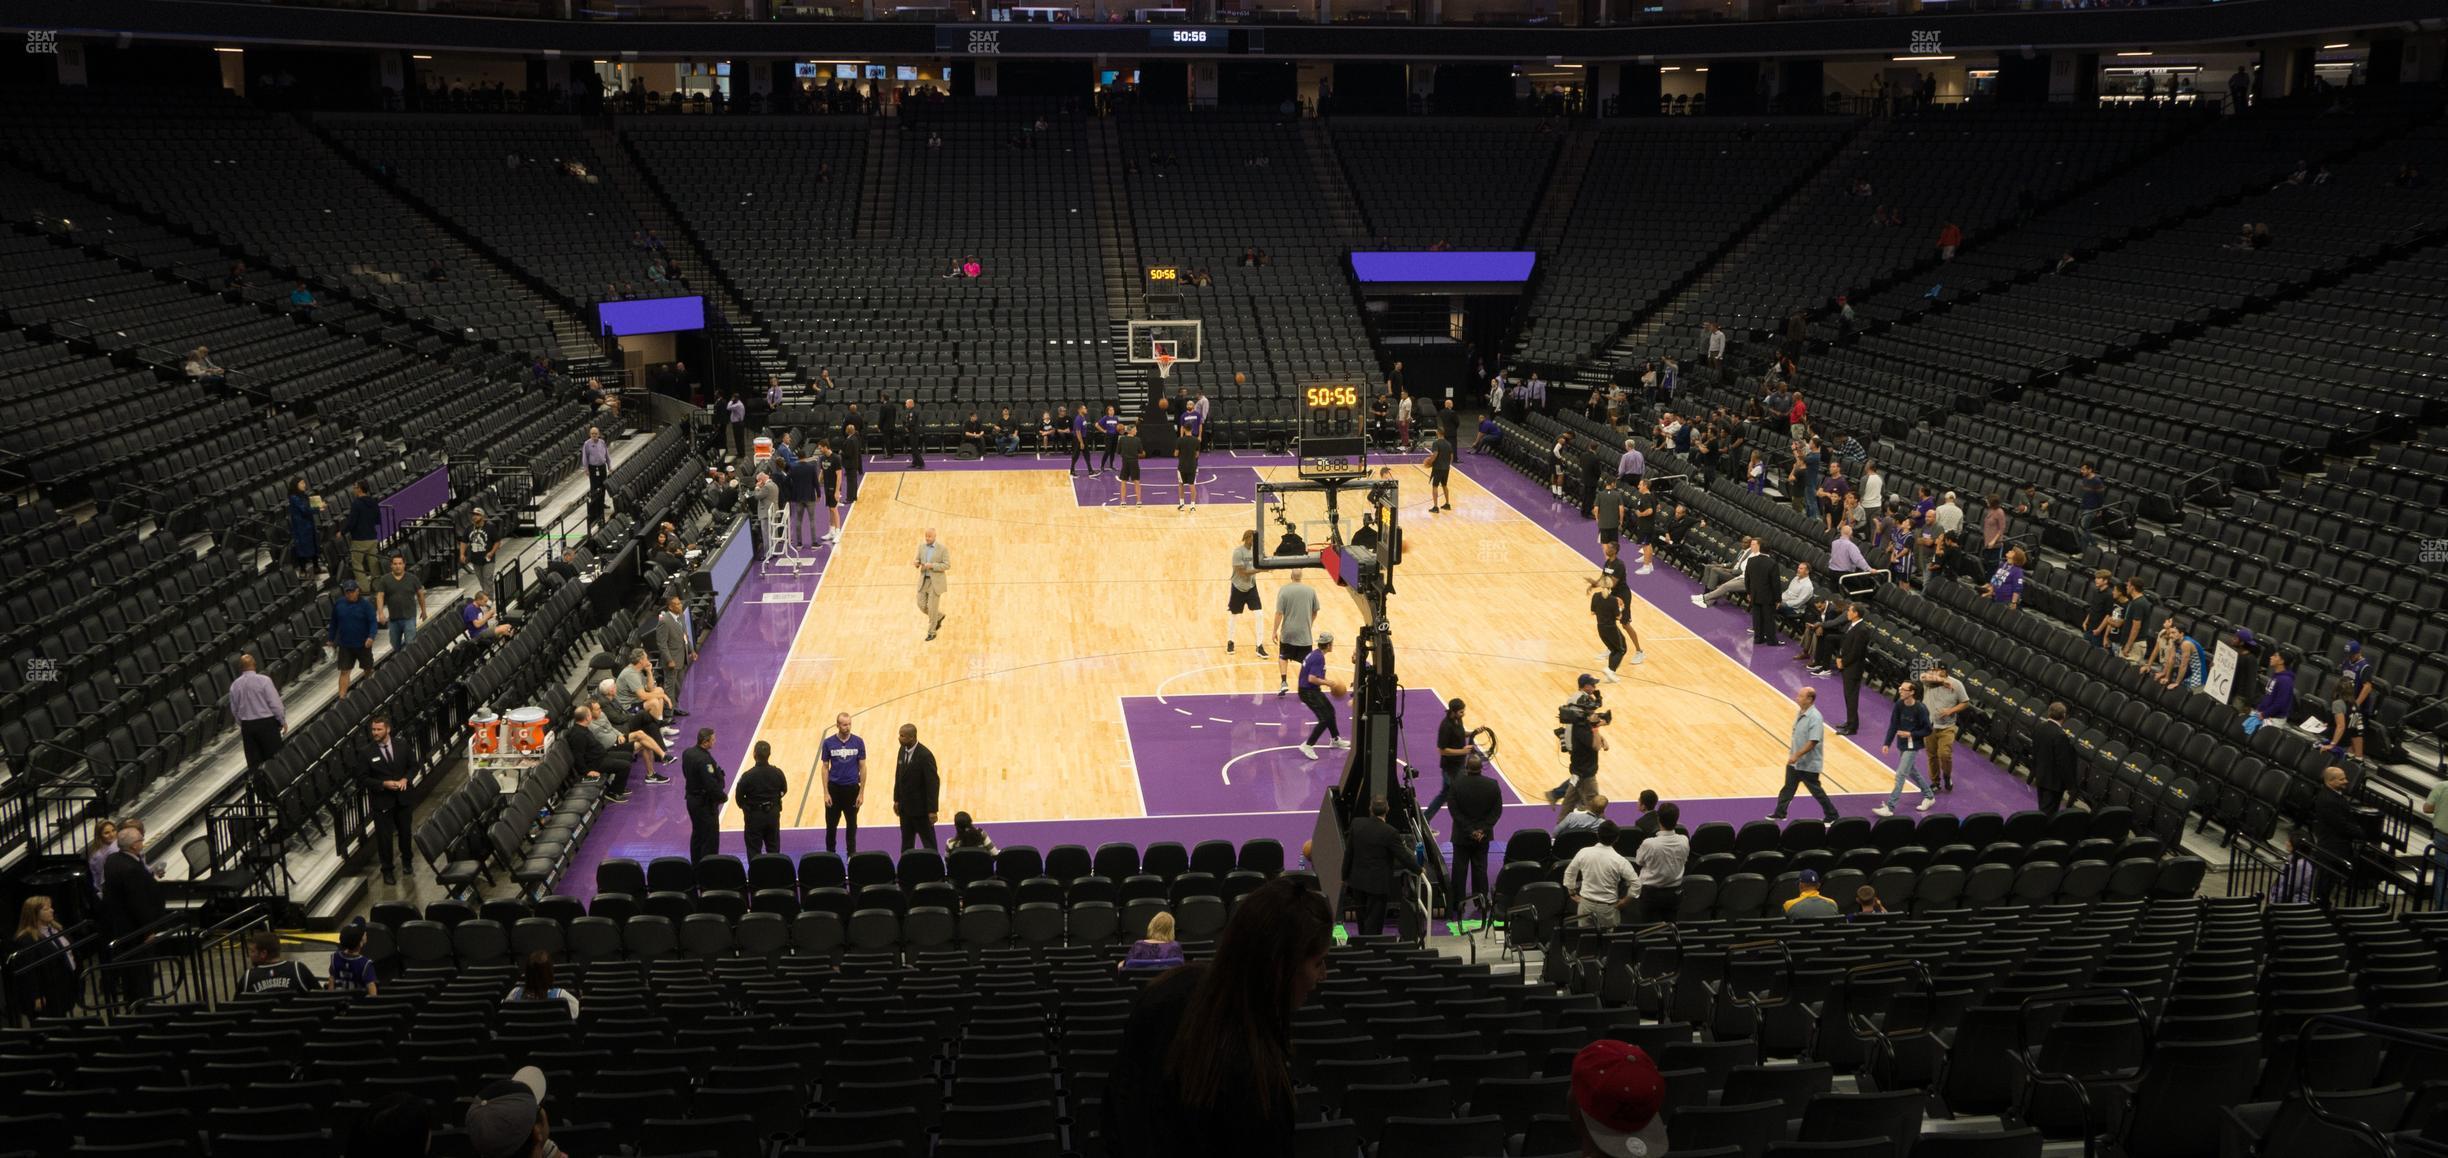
2336	823
2053	758
131	898
1376	852
1855	646
916	787
372	770
1762	578
1476	804
701	778
760	791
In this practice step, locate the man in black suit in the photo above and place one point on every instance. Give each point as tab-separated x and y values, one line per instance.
131	900
382	771
2053	760
888	425
1376	853
1476	806
1760	583
1852	652
917	791
913	429
701	781
760	791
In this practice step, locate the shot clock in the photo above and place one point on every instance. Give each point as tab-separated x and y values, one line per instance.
1333	434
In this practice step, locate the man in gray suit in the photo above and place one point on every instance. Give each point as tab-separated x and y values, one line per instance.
672	640
934	559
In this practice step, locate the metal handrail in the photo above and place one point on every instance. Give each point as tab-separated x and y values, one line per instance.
2363	1131
2022	1053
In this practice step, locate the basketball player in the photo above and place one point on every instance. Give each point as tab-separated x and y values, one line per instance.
1440	471
1185	453
1109	427
1314	685
1644	507
1244	592
1609	585
1127	446
1296	606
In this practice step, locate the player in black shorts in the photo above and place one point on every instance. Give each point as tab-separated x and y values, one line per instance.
1644	526
829	469
1127	446
1440	473
1185	452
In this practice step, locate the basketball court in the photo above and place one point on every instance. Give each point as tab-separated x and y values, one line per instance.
1080	684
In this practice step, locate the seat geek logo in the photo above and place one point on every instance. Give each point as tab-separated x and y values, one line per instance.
42	43
986	43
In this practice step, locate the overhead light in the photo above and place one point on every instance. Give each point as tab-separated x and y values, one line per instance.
2341	45
1902	59
420	56
1981	72
1670	68
1703	68
2133	54
231	51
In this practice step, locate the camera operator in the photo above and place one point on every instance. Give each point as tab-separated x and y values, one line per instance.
1583	718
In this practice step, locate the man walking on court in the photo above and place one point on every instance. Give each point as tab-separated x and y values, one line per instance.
1244	595
804	475
934	559
1128	449
760	791
1082	452
1440	472
913	428
844	763
917	791
1807	756
1296	606
702	780
1314	685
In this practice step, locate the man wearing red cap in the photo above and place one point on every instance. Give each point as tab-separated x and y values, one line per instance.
1617	1093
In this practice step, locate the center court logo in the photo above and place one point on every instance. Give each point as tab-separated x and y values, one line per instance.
986	43
40	42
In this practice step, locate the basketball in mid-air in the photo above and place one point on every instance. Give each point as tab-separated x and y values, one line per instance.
1239	378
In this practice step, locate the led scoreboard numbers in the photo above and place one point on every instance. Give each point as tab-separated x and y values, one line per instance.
1333	439
1185	37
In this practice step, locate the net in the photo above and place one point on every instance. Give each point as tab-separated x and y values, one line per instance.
1166	353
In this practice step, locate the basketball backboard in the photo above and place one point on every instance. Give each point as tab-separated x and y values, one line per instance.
1149	335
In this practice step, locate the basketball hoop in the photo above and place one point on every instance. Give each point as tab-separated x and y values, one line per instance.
1164	352
1164	367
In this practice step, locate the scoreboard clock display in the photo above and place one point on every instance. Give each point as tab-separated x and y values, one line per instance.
1333	432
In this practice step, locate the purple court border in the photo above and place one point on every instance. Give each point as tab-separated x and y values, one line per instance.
754	638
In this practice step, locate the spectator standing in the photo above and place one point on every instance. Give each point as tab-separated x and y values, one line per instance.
1993	529
2346	720
2006	583
1204	1069
2092	499
677	641
1660	861
105	842
2099	605
760	791
364	524
844	762
399	602
478	546
2137	619
262	718
1946	700
1908	728
382	774
1600	882
1852	659
2279	701
2053	760
1806	756
702	785
131	900
1453	745
1477	805
351	633
1759	575
735	425
917	791
596	456
42	969
1377	854
305	542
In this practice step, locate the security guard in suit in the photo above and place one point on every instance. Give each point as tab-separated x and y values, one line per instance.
382	771
1375	854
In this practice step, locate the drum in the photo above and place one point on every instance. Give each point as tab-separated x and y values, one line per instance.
526	729
484	733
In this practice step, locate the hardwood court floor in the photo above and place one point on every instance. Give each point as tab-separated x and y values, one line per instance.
1057	610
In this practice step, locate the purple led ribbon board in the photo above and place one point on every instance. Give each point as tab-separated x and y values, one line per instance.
650	316
1377	266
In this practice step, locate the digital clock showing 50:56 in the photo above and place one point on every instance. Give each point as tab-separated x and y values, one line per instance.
1330	397
1189	35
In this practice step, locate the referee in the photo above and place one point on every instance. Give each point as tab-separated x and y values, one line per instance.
1244	592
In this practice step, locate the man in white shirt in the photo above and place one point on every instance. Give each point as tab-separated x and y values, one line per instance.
1716	343
1661	860
1590	815
1873	487
1949	515
1734	574
1600	882
1797	596
1631	466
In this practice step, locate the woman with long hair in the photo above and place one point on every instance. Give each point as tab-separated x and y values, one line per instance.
966	834
536	984
1157	951
105	842
305	547
1205	1065
44	971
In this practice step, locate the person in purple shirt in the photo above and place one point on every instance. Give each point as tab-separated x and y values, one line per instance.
2006	585
844	760
2279	701
478	615
1080	453
1157	950
1111	427
1844	555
